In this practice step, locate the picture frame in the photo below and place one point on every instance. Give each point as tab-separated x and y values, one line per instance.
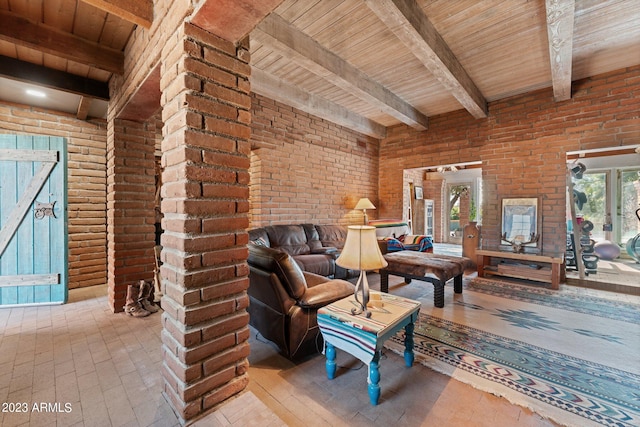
418	193
520	222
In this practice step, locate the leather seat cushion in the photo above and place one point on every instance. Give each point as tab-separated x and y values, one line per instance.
316	263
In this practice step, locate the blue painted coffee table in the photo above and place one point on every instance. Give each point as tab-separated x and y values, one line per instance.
363	337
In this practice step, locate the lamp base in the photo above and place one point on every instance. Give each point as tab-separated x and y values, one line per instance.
362	291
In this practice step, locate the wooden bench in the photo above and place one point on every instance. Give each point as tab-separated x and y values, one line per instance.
433	268
548	268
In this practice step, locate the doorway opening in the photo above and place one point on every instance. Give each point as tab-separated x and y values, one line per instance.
451	198
607	198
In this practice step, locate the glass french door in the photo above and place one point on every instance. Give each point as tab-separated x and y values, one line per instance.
628	202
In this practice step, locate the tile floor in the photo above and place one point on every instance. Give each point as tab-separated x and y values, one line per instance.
90	367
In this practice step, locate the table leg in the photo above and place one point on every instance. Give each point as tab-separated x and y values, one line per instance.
408	345
384	281
457	284
482	261
438	294
374	381
555	276
330	364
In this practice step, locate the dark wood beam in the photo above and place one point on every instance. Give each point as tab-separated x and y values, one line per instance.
139	12
21	31
30	73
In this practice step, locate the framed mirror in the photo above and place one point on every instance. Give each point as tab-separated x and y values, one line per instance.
520	223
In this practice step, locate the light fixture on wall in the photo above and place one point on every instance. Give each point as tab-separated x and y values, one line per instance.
361	252
364	204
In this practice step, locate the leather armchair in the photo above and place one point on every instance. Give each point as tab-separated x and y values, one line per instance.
284	300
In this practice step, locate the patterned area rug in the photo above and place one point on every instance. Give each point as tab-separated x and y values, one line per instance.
572	358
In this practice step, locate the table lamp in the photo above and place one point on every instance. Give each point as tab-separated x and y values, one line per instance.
363	205
361	252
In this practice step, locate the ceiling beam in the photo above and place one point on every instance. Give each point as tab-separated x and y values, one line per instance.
409	23
292	43
83	108
21	31
139	12
30	73
560	15
267	85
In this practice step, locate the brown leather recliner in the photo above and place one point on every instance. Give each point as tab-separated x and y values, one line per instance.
284	300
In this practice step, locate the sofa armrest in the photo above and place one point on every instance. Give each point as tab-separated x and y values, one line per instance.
325	293
382	244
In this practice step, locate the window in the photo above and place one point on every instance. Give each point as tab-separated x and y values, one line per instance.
594	186
628	203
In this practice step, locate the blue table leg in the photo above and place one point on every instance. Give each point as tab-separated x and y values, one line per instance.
374	381
408	345
330	364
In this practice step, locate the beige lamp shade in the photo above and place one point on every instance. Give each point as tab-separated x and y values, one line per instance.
361	250
364	203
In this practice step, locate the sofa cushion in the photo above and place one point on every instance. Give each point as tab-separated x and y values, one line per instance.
282	265
321	264
313	240
332	235
259	236
290	238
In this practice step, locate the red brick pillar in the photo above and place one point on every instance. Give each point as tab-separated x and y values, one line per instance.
130	203
205	155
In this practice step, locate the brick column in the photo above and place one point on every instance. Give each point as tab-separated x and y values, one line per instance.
205	155
130	206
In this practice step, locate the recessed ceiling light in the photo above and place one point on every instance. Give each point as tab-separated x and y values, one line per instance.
37	93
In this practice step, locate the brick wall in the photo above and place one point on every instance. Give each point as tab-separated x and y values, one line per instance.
86	148
412	176
131	190
205	156
522	146
305	169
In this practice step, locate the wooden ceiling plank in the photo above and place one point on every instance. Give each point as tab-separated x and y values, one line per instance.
277	33
60	14
409	23
560	17
266	85
83	108
23	32
139	12
31	73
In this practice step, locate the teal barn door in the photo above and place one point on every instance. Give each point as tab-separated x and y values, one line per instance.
33	220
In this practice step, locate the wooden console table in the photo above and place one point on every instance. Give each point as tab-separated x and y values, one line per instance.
548	268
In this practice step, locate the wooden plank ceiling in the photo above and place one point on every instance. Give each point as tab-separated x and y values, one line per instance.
364	64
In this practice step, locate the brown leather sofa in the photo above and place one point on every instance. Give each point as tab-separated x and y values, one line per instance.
314	247
284	300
